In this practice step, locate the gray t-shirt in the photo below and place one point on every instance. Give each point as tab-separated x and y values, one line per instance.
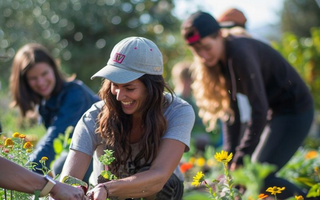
180	117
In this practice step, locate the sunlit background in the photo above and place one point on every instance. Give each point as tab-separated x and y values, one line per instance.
81	33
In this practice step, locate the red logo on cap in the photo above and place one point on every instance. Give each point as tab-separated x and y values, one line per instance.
118	58
194	38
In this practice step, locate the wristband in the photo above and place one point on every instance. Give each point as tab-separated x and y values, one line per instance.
48	187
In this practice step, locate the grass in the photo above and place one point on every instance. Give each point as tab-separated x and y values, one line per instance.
11	120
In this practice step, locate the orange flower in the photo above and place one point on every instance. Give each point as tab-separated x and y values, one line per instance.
16	135
311	154
22	136
185	167
262	196
8	142
27	145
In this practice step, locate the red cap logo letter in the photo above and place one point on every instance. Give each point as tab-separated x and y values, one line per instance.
118	58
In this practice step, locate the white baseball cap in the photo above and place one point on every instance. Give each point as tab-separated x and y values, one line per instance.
130	59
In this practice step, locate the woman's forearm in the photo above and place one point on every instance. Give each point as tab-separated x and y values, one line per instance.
139	185
15	177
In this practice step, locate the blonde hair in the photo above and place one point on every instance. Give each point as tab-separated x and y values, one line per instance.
210	92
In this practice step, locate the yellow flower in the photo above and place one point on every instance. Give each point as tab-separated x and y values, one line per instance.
44	158
16	135
299	197
8	142
22	136
198	179
192	160
200	162
311	154
29	150
274	190
27	145
223	157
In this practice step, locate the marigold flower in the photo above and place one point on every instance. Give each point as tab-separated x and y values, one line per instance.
223	157
200	162
15	135
22	136
8	142
299	197
185	167
262	196
274	190
198	179
27	145
311	154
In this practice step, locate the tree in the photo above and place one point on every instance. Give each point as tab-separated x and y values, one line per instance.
303	54
299	16
82	32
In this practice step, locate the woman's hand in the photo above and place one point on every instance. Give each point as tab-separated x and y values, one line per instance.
63	191
100	192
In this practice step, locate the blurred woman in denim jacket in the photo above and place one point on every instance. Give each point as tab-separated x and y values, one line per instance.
37	85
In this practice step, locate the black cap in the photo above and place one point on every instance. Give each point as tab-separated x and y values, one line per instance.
199	25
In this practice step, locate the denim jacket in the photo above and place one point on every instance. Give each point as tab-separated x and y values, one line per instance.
59	112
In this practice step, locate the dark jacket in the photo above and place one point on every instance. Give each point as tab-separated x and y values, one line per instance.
256	70
59	112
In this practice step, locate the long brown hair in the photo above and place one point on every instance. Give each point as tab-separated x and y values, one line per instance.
27	57
115	126
210	92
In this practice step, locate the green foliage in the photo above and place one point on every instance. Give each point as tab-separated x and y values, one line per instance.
298	16
251	176
62	142
18	150
81	33
74	181
106	159
11	121
303	168
314	191
304	55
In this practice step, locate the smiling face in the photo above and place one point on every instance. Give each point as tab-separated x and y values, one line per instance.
41	79
132	96
210	50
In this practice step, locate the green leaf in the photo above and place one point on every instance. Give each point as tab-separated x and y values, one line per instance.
305	180
73	181
314	191
57	146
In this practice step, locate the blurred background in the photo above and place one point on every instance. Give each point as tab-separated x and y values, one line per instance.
81	33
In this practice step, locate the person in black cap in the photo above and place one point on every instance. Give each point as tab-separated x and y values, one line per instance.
282	106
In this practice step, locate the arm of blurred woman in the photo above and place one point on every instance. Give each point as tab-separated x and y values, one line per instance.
76	164
149	182
15	177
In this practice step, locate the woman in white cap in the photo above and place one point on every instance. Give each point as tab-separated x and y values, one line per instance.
148	128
